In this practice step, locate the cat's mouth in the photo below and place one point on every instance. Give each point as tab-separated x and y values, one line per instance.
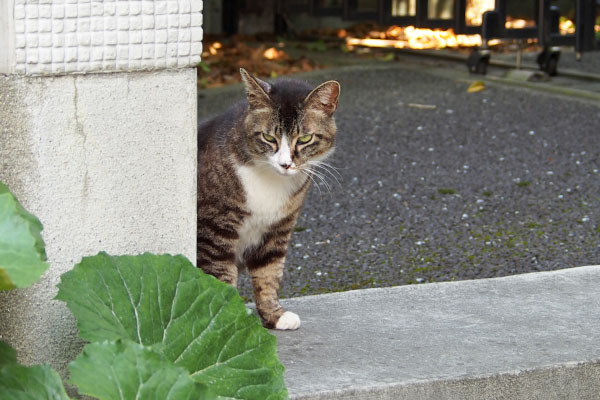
286	171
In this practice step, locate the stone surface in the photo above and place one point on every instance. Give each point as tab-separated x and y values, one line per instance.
107	162
531	336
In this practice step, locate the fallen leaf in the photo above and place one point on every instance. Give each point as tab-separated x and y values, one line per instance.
476	86
422	106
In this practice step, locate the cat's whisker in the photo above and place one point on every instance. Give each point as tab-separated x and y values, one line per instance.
312	179
326	165
321	177
324	169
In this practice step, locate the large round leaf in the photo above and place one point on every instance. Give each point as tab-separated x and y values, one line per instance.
124	370
22	253
200	323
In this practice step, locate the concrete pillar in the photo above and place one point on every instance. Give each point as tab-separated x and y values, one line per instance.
98	139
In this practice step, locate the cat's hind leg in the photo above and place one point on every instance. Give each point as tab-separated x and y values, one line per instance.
217	259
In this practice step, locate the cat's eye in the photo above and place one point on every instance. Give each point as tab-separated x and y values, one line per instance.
305	139
269	138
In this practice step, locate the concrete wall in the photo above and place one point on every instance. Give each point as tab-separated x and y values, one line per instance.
107	161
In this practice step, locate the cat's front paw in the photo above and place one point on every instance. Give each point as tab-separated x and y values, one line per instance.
288	321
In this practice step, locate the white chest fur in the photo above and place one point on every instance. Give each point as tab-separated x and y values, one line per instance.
267	197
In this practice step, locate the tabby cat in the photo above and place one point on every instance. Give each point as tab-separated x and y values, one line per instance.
255	165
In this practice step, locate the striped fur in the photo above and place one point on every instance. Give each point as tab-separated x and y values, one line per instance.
253	175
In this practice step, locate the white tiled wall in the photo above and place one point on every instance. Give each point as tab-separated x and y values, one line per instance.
76	36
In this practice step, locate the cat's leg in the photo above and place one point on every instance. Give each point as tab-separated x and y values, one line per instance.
266	279
224	271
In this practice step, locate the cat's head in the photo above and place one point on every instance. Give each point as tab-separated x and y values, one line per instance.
289	125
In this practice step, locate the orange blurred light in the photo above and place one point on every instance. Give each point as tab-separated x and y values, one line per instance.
272	53
415	38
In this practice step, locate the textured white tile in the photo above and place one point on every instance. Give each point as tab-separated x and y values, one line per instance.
19	26
58	11
172	7
184	6
70	25
148	51
20	56
66	36
85	10
32	42
160	22
123	37
183	49
97	53
135	37
45	56
110	8
148	23
148	36
44	25
31	25
97	9
148	7
83	54
160	51
184	21
58	56
20	42
196	6
160	36
84	39
45	11
19	11
71	10
135	7
32	11
97	38
58	40
45	40
70	54
110	39
58	25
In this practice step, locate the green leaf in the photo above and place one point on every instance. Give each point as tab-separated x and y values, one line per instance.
17	382
8	355
128	370
22	253
200	323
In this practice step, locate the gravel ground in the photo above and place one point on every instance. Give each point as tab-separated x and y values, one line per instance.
438	184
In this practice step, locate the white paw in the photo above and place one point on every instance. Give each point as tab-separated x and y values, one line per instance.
288	320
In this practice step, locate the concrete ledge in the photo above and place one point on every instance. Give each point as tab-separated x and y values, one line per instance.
532	336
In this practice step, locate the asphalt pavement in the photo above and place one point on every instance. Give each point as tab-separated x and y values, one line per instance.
436	183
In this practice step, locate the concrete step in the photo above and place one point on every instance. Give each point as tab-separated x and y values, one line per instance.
532	336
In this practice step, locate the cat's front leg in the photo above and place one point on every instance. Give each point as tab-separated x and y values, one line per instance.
266	279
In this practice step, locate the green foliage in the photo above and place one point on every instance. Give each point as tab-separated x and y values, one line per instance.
192	319
22	255
17	382
128	370
161	328
318	45
446	191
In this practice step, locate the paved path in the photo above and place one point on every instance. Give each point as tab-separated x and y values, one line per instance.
531	336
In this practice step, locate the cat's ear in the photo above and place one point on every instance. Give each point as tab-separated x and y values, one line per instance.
324	97
256	90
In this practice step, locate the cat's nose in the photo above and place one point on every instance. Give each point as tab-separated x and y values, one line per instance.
285	165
